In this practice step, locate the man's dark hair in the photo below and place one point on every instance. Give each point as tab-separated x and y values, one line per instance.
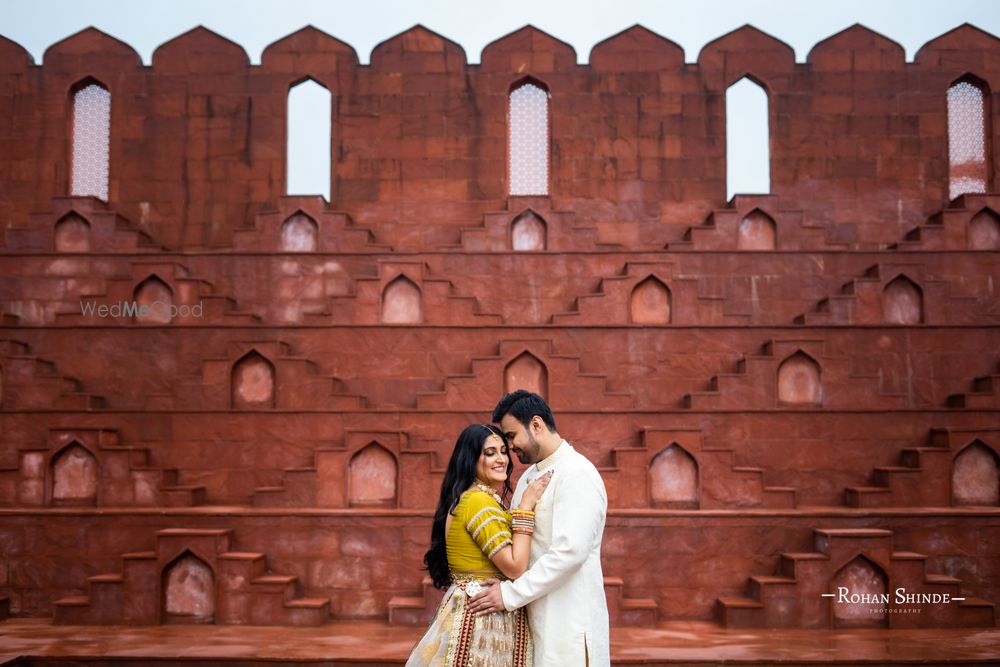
522	405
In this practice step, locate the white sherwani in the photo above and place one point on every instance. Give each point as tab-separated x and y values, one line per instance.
564	586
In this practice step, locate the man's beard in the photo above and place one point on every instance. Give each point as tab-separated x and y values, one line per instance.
526	457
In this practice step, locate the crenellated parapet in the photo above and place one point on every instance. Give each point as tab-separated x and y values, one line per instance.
197	139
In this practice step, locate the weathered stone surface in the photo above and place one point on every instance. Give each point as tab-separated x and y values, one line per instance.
741	372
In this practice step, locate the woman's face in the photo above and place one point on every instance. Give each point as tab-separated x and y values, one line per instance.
491	468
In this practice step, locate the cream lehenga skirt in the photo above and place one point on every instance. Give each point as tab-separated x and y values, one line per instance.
456	638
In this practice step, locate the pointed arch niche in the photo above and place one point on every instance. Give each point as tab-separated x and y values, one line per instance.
299	233
155	295
402	302
984	231
757	231
188	591
673	479
253	382
975	476
372	477
799	380
860	576
91	139
748	152
74	476
968	152
902	302
309	139
528	136
528	232
526	371
650	302
72	234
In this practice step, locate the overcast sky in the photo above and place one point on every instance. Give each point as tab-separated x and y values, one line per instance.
474	23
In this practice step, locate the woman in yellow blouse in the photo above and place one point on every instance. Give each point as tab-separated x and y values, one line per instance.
474	538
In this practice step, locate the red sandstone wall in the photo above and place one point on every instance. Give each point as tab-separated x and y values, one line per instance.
858	161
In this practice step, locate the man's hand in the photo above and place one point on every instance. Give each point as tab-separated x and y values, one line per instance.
488	601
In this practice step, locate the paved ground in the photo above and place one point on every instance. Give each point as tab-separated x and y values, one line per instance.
673	643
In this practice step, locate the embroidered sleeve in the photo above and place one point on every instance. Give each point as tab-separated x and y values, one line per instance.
487	524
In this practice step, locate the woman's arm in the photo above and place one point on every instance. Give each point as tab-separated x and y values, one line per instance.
512	559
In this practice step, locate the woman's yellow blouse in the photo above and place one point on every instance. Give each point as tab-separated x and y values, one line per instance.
480	527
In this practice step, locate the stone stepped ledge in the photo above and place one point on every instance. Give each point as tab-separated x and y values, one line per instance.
540	254
807	512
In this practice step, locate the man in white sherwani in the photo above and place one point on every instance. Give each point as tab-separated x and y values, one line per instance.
564	585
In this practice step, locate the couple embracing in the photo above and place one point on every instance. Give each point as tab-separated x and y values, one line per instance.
524	585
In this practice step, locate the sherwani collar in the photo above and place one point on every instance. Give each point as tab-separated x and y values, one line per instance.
562	450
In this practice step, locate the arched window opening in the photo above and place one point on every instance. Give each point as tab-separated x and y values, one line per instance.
253	382
529	140
527	372
309	139
372	475
91	141
154	298
975	477
799	381
528	232
968	171
673	479
748	140
74	476
402	302
299	233
72	234
902	302
861	577
188	591
757	231
650	302
984	231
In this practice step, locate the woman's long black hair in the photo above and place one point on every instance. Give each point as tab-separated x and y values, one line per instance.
461	474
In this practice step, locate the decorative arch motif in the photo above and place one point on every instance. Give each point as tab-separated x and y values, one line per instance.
860	576
528	136
968	158
91	137
748	151
650	302
526	371
157	297
72	234
799	380
75	474
975	476
299	233
309	139
253	382
188	591
372	477
402	302
757	231
673	479
984	231
902	302
528	232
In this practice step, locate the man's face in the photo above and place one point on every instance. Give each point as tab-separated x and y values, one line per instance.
520	439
